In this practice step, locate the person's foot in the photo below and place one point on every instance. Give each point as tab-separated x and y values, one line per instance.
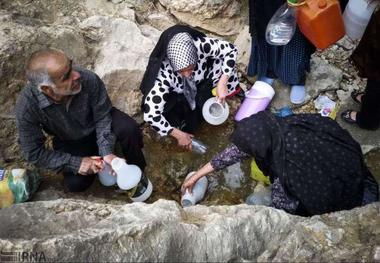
297	94
357	96
349	116
267	80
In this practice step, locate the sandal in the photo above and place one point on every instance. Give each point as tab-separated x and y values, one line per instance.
346	116
355	94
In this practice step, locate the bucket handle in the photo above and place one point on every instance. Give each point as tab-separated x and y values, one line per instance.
291	4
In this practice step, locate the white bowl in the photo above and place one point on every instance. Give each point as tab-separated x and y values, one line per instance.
214	112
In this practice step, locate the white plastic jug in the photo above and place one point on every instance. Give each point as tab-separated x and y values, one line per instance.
128	175
356	17
105	176
199	191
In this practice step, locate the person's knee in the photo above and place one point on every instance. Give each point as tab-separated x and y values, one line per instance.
128	131
124	126
78	183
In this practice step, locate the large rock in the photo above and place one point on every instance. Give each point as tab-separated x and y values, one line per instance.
225	18
243	45
122	55
69	230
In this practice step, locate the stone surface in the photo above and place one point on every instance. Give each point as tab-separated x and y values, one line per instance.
322	77
243	45
70	230
121	57
219	17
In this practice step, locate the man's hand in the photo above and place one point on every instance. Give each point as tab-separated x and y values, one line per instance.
183	138
90	165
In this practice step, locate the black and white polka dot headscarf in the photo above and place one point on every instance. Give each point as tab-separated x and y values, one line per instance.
181	51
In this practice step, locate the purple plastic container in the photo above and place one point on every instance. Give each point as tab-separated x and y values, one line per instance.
256	99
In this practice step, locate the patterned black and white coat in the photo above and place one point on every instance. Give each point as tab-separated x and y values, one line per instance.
224	55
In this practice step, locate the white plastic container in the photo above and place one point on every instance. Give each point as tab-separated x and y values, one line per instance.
356	17
214	112
105	176
256	99
199	191
128	175
143	190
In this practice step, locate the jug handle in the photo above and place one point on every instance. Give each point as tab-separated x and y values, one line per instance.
291	4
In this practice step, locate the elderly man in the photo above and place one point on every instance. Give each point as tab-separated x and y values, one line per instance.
72	105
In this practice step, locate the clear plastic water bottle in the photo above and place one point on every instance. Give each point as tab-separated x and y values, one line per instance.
282	26
198	146
199	190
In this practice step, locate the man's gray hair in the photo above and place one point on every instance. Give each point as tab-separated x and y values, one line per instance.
36	71
39	78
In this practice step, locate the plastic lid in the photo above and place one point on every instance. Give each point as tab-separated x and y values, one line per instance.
322	3
293	1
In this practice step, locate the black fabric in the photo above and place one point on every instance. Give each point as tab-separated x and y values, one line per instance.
366	56
260	12
290	62
369	115
317	161
178	112
159	53
128	135
83	147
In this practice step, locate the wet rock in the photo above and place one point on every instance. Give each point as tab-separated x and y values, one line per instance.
69	230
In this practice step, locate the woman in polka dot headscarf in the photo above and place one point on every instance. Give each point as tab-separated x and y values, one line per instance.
314	165
190	65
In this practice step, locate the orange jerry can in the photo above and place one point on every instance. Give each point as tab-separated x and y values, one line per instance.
321	21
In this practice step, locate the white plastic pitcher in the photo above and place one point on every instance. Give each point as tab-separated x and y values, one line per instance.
199	191
356	17
105	176
128	175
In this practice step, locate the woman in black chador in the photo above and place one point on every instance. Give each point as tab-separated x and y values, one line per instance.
314	165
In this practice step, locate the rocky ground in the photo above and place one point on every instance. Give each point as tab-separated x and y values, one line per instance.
114	38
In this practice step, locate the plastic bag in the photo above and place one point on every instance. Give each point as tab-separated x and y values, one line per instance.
17	186
326	107
257	174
